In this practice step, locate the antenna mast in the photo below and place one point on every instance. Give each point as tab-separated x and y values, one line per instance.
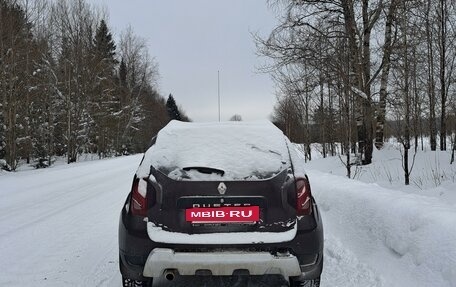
218	93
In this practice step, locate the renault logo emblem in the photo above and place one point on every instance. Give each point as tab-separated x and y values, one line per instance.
221	188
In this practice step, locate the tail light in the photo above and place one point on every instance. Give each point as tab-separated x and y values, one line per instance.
303	197
138	202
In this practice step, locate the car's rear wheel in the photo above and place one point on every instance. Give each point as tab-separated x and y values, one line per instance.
127	282
304	283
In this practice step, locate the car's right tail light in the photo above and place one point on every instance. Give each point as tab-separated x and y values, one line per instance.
138	203
303	197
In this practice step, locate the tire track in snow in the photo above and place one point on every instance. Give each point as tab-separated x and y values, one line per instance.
71	196
57	185
73	241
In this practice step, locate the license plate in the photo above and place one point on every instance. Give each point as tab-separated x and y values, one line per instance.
229	214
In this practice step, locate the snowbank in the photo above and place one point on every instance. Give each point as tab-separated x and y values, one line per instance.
409	239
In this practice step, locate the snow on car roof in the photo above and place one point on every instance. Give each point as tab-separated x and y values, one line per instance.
243	150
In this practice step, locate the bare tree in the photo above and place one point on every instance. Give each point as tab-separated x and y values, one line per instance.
310	30
141	75
385	71
294	110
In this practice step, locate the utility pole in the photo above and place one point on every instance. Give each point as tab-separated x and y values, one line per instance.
218	93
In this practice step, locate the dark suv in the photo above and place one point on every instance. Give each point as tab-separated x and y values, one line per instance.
220	199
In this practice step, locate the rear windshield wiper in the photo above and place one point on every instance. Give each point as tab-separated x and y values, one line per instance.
206	170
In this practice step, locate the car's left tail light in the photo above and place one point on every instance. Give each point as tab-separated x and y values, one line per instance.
303	197
138	203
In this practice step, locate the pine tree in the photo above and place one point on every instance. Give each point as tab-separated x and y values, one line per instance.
106	101
16	66
173	110
104	44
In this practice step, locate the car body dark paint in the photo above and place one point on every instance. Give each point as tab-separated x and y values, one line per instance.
135	245
168	198
278	206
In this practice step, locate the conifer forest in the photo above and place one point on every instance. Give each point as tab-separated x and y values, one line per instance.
68	87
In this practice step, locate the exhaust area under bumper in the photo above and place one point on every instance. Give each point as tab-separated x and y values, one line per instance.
220	263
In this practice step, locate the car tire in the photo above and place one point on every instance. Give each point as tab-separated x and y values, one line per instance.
127	282
304	283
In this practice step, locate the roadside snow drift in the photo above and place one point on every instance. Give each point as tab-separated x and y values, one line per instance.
409	240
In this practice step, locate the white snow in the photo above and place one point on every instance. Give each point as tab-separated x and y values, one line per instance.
432	174
401	235
58	226
157	234
243	150
409	240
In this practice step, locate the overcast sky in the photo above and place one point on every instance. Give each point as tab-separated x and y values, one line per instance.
192	40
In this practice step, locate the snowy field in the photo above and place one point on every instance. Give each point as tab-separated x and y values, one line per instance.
405	235
58	226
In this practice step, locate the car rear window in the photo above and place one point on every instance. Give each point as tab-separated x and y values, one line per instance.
212	151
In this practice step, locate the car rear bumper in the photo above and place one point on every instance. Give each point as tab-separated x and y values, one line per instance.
136	251
190	263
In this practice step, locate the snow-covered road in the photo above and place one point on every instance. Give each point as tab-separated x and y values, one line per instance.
58	227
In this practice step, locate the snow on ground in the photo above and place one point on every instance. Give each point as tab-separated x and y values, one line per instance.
58	227
406	235
56	161
406	239
432	174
